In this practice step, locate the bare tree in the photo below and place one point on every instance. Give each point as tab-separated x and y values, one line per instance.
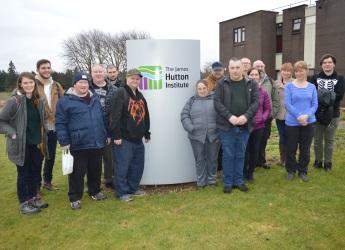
88	48
206	70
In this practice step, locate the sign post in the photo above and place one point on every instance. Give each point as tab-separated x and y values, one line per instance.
170	69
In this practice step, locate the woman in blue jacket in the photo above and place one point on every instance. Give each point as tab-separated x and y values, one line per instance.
198	118
301	105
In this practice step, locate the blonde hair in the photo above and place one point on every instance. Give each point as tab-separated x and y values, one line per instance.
300	65
287	67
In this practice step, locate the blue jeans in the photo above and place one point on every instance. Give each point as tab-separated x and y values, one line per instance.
281	131
129	167
234	142
27	178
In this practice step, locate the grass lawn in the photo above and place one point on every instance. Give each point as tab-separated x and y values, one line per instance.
275	214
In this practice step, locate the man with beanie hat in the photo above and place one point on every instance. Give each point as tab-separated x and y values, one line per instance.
129	122
80	128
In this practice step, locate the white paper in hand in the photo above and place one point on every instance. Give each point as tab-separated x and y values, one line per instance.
67	162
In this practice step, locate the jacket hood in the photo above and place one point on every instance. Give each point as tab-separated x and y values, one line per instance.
71	91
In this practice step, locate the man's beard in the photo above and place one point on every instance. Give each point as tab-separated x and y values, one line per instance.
43	77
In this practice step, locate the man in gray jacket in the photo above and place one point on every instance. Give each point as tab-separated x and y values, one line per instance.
236	102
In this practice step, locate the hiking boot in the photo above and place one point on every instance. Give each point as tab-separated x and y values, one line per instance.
98	197
139	193
38	203
317	164
327	166
76	205
290	176
243	188
50	187
126	198
227	189
27	208
303	177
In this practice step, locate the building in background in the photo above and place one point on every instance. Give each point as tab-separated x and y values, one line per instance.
303	32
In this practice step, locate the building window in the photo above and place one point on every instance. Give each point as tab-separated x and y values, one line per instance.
239	35
296	24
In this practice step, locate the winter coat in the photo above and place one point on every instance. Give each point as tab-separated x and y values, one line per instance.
280	88
198	118
129	117
264	110
79	124
222	103
269	85
56	93
13	120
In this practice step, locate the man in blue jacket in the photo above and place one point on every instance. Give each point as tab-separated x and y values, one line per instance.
80	128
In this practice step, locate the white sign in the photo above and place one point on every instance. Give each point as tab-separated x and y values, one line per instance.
170	69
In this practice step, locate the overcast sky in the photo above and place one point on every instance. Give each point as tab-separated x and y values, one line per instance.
35	29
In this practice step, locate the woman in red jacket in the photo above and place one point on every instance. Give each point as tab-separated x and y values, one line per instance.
261	116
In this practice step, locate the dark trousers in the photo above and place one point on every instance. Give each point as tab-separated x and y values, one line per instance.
86	161
281	130
129	167
252	153
298	137
108	164
265	136
28	174
49	164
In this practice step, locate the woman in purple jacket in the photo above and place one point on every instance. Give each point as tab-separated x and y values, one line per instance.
261	116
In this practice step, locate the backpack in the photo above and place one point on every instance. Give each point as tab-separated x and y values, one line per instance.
324	113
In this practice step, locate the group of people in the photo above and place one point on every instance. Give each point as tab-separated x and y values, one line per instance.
97	120
234	113
104	121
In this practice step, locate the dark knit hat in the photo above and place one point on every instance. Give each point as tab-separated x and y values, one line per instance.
79	76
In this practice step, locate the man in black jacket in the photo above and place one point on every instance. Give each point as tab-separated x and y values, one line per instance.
129	122
236	102
105	92
324	133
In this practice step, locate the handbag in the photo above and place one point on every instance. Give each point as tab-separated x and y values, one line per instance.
67	162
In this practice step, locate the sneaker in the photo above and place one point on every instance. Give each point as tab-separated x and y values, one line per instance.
243	188
38	203
317	164
227	189
38	194
50	187
212	185
139	193
76	205
290	176
126	198
303	177
98	197
327	166
27	208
